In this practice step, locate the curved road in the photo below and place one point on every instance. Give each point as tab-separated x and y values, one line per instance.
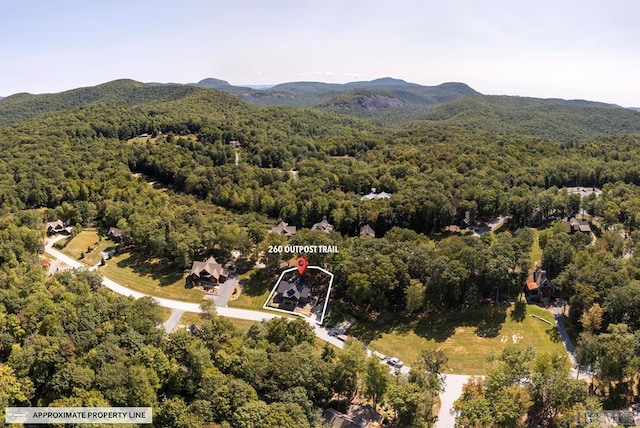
244	314
453	388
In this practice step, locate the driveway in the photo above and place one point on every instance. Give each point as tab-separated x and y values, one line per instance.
585	374
452	390
172	322
224	291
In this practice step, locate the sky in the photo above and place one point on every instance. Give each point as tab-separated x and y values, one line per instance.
549	49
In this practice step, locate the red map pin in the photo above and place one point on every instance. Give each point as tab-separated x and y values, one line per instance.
302	264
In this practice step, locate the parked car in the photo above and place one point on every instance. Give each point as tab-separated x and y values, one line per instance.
394	362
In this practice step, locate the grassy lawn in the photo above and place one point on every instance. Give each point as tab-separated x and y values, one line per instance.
81	243
149	277
255	291
166	313
467	338
536	251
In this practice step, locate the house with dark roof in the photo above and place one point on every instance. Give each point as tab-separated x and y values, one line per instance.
58	226
323	226
115	234
339	420
284	229
367	230
293	293
538	285
574	225
208	274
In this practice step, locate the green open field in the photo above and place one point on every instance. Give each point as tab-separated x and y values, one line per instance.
81	243
467	338
149	277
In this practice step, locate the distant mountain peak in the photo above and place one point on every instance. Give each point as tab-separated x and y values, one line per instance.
211	82
389	81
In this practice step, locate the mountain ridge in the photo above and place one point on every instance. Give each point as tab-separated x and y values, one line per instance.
384	101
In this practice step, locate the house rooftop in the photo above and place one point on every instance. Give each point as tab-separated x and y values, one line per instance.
291	290
114	231
208	268
284	229
374	195
367	230
323	226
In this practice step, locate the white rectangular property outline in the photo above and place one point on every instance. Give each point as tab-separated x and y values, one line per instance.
326	300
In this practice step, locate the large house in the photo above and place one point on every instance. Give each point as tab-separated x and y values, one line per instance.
292	293
208	274
58	226
323	226
574	225
538	285
115	234
284	229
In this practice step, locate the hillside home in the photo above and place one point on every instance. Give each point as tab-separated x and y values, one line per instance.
284	229
336	419
293	293
58	226
208	274
323	226
538	285
367	230
574	225
115	234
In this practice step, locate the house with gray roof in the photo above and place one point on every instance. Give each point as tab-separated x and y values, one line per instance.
283	229
367	230
208	274
58	226
323	226
293	293
574	225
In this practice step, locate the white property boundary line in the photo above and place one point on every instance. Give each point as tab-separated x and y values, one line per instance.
326	300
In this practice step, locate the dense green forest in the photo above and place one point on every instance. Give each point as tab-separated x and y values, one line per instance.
86	156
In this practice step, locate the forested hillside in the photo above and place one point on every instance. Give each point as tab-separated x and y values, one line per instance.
20	107
556	119
229	171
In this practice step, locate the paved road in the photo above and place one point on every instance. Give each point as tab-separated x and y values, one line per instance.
244	314
453	383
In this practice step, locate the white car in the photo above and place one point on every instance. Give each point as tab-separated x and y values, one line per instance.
394	362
